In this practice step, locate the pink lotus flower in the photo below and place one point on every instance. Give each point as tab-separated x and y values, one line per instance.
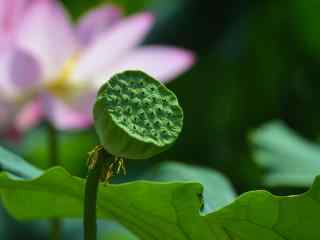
18	69
54	69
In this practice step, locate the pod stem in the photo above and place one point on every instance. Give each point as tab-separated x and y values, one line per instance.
97	160
55	224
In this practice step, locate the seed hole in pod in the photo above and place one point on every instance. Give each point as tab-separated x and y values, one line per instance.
157	123
151	115
141	115
112	84
159	111
142	95
164	134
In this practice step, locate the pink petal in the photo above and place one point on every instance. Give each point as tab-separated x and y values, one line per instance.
163	63
46	32
11	13
68	116
112	45
96	22
30	115
19	72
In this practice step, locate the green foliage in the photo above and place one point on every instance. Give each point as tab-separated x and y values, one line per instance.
119	235
166	210
136	117
110	230
81	7
130	6
34	148
289	159
306	19
217	192
16	165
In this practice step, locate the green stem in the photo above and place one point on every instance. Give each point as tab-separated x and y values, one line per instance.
55	224
90	199
52	145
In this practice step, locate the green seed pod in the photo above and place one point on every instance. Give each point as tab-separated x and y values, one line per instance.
136	116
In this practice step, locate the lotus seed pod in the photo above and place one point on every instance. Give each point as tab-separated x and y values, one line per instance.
136	117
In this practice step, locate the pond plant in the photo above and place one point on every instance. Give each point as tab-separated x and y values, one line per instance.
136	117
52	67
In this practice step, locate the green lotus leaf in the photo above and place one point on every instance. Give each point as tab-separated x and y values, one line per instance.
153	210
218	191
290	159
171	210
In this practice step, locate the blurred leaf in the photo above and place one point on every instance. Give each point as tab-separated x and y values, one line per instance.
167	210
16	165
34	148
132	6
128	6
81	6
114	231
218	191
108	229
306	19
289	159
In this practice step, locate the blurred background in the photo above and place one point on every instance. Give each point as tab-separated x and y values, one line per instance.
251	101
